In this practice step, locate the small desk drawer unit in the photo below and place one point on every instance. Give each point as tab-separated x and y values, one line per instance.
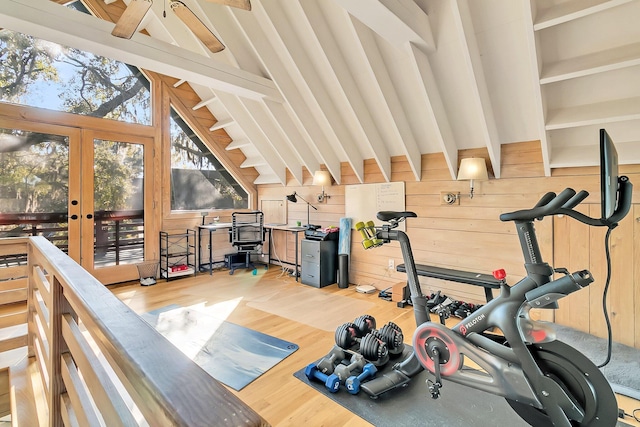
319	262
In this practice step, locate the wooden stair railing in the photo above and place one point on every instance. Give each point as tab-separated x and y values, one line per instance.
94	360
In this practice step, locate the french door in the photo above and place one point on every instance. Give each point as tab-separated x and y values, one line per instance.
87	191
40	183
114	194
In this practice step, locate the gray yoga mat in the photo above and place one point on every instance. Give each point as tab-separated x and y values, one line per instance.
232	354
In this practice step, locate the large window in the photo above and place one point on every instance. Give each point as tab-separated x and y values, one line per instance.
42	74
198	179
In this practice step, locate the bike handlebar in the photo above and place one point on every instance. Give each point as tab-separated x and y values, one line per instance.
575	200
563	204
546	209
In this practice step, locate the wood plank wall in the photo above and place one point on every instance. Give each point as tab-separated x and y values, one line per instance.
469	236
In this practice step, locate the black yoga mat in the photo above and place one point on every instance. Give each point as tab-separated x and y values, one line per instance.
458	406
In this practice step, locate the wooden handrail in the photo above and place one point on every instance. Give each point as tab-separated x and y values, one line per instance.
93	348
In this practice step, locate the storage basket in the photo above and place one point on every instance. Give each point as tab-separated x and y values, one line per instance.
148	271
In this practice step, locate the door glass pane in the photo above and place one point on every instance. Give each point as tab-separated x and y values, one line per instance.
118	203
34	186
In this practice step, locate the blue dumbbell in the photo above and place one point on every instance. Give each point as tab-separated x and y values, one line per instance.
353	382
331	382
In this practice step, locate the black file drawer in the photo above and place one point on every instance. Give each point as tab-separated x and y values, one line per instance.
319	262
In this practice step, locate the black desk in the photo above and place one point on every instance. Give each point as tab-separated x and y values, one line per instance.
210	228
291	229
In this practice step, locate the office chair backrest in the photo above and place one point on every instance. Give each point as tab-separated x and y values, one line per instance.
247	229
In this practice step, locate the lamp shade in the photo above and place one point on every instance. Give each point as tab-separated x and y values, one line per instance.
322	178
473	168
292	197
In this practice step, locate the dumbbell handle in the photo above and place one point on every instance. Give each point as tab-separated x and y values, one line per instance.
353	382
344	371
331	382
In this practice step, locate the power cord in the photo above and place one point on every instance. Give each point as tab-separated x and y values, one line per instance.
635	414
604	299
622	414
385	294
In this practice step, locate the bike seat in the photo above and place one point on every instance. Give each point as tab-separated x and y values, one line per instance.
393	215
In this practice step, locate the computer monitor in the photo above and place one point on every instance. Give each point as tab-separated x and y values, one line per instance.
608	175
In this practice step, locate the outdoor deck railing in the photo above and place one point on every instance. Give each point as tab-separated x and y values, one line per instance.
99	362
116	233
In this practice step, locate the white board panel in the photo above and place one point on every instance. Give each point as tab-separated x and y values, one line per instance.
364	201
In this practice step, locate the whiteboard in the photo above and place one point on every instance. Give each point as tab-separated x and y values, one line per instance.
362	202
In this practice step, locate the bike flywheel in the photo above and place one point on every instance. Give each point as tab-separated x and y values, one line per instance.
580	379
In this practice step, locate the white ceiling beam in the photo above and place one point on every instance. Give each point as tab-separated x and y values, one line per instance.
238	144
337	67
253	162
325	107
53	22
486	124
277	60
203	103
265	179
221	124
397	21
283	119
572	9
387	95
274	137
428	90
255	134
535	70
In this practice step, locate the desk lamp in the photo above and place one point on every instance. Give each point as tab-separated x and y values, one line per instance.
293	197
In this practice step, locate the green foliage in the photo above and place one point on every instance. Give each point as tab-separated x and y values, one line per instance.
116	166
24	60
37	177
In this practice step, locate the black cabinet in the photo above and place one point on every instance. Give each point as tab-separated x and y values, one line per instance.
319	262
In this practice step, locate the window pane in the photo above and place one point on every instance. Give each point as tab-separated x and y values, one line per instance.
47	75
34	185
198	179
118	187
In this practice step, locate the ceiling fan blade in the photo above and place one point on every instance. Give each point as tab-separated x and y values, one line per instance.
240	4
131	18
196	26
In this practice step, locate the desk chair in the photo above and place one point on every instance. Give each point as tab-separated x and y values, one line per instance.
247	235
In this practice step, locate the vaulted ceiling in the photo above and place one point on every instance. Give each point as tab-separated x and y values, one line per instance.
305	83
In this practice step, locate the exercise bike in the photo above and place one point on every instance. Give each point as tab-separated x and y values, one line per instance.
545	381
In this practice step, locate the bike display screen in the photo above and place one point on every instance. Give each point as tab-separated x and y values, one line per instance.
608	175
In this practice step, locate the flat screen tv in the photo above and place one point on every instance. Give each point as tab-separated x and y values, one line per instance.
608	175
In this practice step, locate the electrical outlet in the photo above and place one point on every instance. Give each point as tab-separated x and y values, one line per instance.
391	264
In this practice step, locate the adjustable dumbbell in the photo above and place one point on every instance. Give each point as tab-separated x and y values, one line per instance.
370	346
327	364
368	233
356	363
331	382
353	382
390	333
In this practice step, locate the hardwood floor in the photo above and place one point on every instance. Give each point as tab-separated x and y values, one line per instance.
277	396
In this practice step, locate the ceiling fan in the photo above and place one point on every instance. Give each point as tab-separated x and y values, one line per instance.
137	9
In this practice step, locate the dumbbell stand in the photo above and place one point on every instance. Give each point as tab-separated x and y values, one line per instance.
401	374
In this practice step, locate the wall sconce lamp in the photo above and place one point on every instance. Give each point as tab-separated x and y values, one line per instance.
322	178
472	168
